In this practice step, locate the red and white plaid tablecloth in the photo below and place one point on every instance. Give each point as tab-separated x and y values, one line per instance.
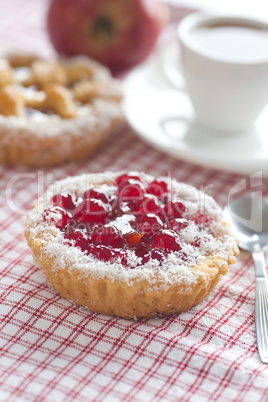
51	350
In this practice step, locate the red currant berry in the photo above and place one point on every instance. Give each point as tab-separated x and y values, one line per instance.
153	255
148	204
174	209
95	194
131	190
126	176
148	224
64	200
178	224
167	240
142	249
108	235
92	211
158	187
106	253
58	216
80	239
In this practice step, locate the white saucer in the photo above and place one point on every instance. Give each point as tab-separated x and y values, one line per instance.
162	116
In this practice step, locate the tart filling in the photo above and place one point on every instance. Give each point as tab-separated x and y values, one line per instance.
132	228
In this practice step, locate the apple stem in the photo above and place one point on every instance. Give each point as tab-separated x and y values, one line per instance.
103	28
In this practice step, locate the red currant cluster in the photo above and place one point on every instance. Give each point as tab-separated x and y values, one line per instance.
154	219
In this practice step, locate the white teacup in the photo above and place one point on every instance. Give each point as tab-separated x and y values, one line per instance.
224	62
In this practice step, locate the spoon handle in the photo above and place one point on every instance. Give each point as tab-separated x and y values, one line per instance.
261	305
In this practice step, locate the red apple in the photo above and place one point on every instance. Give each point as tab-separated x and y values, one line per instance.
118	33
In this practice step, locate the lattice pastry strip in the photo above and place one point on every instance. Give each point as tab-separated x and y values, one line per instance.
11	101
77	73
85	91
6	74
17	60
45	72
60	100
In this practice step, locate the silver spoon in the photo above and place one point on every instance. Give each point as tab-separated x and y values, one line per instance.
249	215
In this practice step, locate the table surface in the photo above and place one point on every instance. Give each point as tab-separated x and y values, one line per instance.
53	351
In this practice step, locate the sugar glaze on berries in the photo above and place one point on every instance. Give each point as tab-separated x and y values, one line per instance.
138	221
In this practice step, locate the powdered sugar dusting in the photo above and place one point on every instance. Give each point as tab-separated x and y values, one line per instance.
39	125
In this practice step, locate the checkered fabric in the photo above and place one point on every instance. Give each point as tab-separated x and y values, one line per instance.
51	350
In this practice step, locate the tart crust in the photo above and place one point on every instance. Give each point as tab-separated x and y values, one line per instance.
56	111
161	293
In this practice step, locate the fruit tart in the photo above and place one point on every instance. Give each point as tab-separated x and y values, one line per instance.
55	111
129	244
